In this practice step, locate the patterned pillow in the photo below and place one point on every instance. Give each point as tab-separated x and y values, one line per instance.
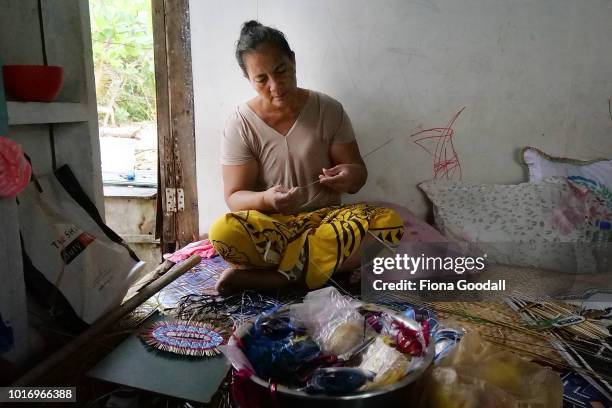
528	224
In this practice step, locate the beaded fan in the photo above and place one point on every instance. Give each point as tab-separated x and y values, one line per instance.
184	338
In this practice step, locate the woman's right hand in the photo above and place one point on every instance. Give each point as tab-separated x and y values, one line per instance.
282	199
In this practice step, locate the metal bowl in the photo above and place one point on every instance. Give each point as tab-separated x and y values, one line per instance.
392	395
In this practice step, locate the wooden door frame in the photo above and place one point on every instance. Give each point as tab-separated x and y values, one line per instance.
175	122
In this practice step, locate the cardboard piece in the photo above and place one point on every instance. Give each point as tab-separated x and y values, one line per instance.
134	365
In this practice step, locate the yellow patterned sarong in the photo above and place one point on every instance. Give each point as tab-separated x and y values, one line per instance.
309	246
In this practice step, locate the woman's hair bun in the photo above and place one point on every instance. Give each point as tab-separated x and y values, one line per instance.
249	25
253	34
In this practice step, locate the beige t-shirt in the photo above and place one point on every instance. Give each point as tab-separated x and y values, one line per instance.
293	160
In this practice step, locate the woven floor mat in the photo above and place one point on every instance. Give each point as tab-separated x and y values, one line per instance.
200	280
488	318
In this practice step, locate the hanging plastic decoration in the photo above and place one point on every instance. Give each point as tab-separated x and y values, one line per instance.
15	170
184	338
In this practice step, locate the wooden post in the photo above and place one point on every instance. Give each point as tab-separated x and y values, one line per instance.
175	120
180	85
166	229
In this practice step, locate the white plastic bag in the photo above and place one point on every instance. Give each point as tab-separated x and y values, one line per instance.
331	318
65	241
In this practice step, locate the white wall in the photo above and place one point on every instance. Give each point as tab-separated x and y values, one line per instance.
529	72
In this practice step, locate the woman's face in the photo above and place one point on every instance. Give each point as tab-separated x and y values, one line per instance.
272	74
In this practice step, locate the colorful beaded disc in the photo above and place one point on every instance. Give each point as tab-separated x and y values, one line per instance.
184	338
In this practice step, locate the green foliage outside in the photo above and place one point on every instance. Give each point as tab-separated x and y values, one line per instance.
122	40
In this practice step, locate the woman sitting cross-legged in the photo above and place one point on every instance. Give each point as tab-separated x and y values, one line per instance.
287	155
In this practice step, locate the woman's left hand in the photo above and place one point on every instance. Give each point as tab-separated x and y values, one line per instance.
346	178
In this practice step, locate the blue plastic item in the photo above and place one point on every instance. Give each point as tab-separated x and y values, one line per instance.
336	381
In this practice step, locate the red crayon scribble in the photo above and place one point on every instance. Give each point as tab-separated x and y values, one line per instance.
446	163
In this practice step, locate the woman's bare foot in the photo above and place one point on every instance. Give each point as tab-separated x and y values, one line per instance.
237	280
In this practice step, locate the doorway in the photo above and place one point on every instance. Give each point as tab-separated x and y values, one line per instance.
122	47
149	205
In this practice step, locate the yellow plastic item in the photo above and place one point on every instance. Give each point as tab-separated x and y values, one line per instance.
478	375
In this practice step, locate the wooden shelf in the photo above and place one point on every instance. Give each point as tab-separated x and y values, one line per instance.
29	113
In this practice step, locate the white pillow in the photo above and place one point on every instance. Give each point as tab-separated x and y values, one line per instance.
594	174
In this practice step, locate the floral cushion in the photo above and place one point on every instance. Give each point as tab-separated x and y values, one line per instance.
594	174
528	224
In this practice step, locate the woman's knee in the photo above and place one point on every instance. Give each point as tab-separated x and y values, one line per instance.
391	223
391	217
225	229
233	242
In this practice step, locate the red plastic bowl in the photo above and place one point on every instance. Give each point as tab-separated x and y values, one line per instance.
33	83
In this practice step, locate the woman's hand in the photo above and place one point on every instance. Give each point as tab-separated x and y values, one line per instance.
346	178
282	199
